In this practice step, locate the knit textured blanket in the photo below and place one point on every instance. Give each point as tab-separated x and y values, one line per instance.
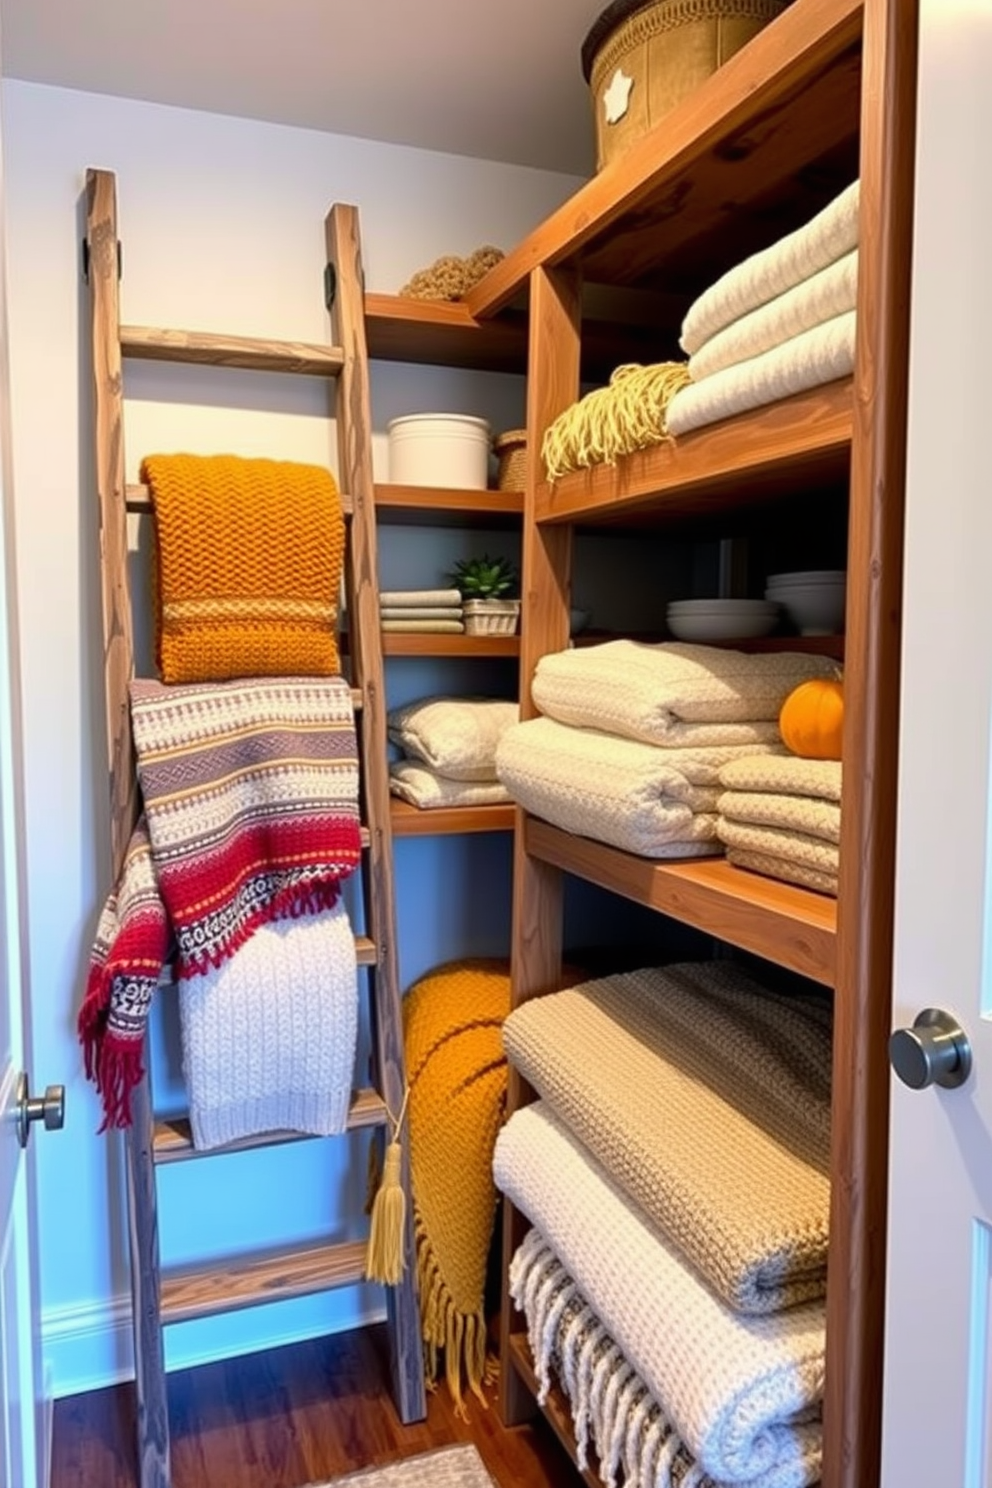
708	1105
787	845
733	1388
251	800
269	1036
773	271
660	803
808	360
612	1408
786	775
674	694
249	556
456	737
425	788
785	869
830	292
456	1075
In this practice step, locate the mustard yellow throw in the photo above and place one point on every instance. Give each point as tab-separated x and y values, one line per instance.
249	558
456	1073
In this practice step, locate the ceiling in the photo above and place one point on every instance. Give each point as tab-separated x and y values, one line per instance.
495	79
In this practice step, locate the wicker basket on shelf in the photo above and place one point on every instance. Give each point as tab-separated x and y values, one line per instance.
641	57
510	450
491	616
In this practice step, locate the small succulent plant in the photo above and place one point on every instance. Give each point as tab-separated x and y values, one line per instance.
484	578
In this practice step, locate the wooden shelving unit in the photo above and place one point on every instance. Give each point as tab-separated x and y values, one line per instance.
410	821
405	643
428	506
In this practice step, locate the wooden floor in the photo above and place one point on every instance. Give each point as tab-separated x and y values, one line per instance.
293	1416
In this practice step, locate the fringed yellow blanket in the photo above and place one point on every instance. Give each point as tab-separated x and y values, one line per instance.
249	556
456	1074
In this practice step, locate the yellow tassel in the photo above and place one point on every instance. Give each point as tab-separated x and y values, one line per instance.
385	1259
373	1180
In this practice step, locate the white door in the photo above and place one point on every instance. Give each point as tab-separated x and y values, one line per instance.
937	1402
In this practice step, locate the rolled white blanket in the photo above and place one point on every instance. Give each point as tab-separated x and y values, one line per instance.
424	787
673	694
456	737
828	293
829	235
809	360
734	1389
659	803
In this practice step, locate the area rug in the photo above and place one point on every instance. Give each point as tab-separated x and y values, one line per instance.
450	1467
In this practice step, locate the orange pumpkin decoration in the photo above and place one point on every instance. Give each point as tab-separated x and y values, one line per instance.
812	719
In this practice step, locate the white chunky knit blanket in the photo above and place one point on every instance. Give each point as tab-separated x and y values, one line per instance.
269	1036
823	354
660	803
734	1389
425	788
612	1408
674	694
828	236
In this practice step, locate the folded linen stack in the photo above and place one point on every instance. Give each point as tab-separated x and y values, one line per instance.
781	817
675	1275
450	748
633	739
435	611
780	322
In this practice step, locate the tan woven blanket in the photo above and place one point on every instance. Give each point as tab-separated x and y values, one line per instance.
781	868
796	847
707	1102
787	813
424	787
785	775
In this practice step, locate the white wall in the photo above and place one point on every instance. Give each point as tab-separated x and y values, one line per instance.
222	228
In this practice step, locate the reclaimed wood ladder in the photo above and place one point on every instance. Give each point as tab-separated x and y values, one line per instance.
159	1297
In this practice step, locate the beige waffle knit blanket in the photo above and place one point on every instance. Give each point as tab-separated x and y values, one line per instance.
457	737
673	694
660	803
424	787
785	869
707	1102
800	848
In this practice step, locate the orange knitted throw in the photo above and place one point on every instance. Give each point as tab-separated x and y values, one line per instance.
249	560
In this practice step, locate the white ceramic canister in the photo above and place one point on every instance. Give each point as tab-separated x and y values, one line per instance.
439	449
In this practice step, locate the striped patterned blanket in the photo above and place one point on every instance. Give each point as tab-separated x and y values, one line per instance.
251	815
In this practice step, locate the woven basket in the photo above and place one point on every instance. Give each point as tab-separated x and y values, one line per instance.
491	616
510	450
641	59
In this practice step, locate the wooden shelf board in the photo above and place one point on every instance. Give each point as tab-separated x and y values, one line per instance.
411	821
443	333
245	1281
173	1137
428	506
738	150
405	643
792	927
555	1409
782	448
150	344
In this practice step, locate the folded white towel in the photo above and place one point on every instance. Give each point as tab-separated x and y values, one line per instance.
801	848
786	775
424	787
425	627
831	292
790	813
421	612
456	737
784	870
420	597
810	359
673	694
759	278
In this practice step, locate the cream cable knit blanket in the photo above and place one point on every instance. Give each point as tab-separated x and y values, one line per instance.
457	737
810	359
269	1036
424	787
712	1136
673	694
826	294
610	1403
733	1388
829	235
659	803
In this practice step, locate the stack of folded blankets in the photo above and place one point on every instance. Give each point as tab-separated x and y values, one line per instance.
434	611
449	747
779	323
781	817
633	738
674	1278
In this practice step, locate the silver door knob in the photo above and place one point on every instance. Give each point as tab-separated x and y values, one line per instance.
935	1051
49	1108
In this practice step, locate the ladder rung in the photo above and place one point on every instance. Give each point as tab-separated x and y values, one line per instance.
304	357
173	1138
138	499
244	1281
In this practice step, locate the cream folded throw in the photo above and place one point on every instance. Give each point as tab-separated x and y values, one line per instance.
673	694
785	775
425	627
788	813
783	869
732	1387
611	1405
810	359
777	842
407	597
659	803
421	612
424	787
830	292
708	1103
457	737
829	235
